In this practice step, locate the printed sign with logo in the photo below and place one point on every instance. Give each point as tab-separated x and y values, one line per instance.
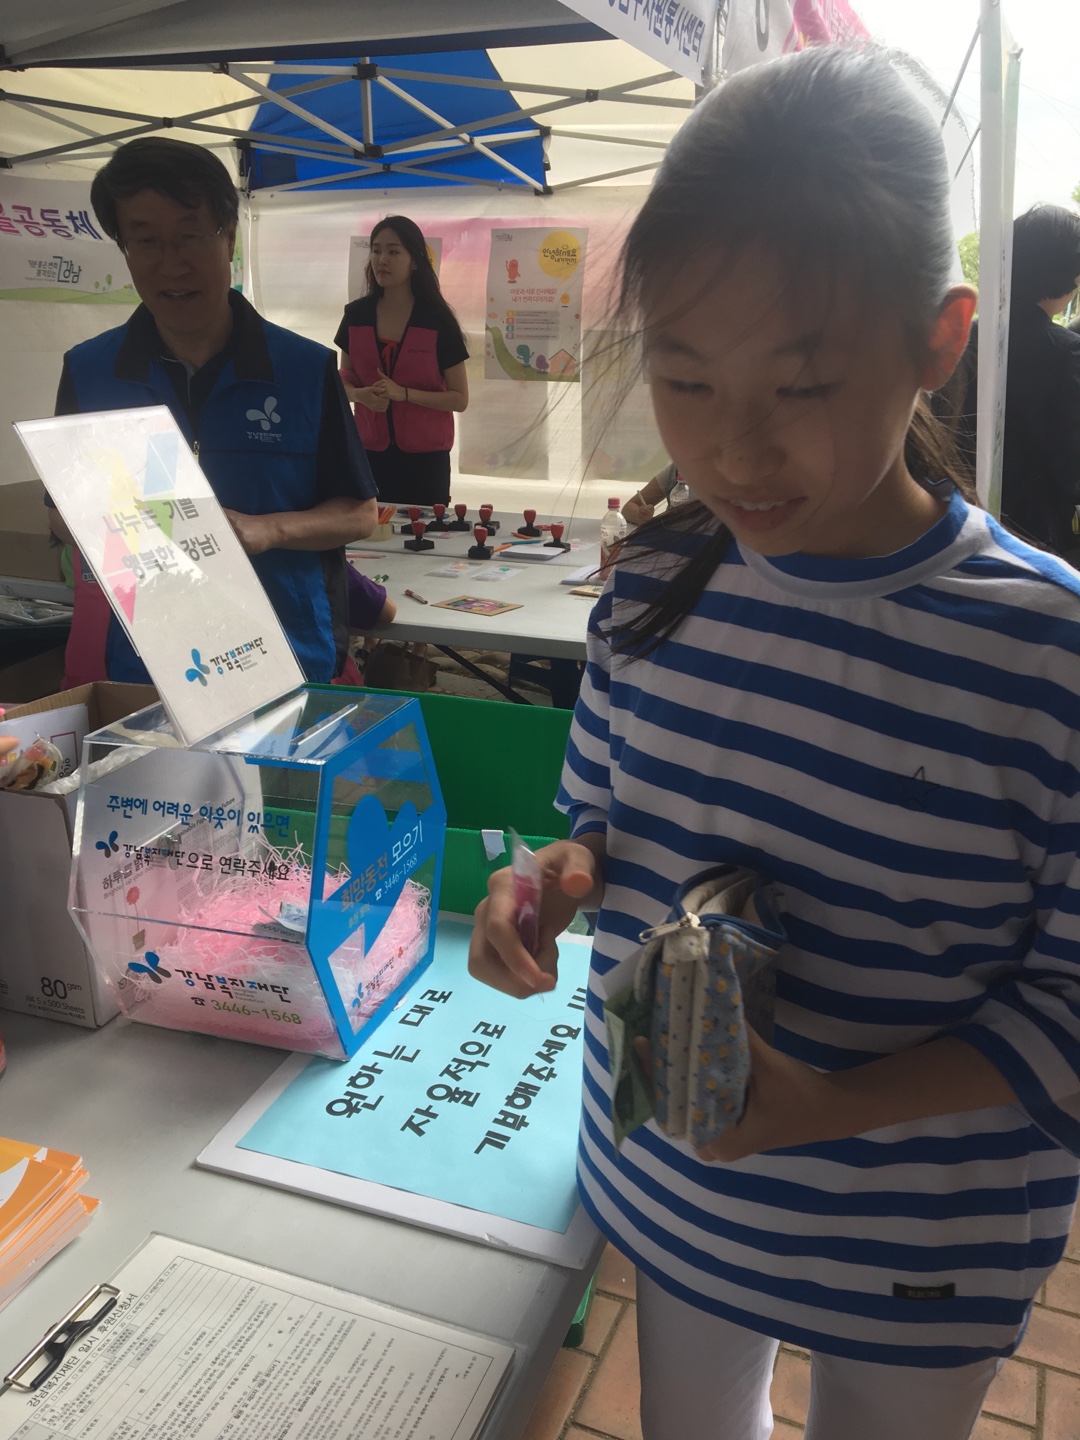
360	254
53	248
151	529
533	322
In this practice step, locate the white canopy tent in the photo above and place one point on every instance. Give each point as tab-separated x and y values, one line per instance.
606	111
611	110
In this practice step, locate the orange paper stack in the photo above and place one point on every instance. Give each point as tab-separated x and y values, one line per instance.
41	1209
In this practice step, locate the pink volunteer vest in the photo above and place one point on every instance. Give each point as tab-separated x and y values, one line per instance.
416	429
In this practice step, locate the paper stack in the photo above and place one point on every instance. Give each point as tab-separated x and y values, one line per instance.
41	1209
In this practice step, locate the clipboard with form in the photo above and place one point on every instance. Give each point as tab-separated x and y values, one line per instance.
190	1344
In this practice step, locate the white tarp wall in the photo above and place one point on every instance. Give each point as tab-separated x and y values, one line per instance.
536	446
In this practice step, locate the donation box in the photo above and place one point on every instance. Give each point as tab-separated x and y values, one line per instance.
277	883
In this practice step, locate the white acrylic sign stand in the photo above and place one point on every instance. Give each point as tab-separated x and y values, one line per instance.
151	529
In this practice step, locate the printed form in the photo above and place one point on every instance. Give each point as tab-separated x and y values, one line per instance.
201	1346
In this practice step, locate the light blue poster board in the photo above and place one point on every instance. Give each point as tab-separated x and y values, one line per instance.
462	1095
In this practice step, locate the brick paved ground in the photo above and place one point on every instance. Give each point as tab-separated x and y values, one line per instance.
592	1393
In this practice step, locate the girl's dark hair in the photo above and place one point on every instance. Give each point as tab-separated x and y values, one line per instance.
1046	254
185	173
425	283
829	161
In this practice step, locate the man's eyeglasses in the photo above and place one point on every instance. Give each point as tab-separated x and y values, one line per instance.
190	245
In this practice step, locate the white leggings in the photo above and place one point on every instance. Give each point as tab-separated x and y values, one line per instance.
703	1378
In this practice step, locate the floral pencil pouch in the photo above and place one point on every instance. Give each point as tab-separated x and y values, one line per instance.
691	990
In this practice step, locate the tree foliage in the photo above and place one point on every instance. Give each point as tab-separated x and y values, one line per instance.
969	256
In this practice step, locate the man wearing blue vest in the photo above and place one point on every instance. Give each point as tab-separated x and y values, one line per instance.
263	408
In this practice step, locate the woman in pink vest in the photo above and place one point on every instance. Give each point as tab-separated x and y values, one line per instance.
403	367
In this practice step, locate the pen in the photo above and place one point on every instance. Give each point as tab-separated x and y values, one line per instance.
414	596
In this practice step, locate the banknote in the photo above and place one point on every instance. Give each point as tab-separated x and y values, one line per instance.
627	1019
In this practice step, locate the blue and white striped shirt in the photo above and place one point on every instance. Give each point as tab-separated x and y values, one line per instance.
894	742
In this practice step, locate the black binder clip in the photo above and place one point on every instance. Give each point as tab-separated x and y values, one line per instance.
50	1352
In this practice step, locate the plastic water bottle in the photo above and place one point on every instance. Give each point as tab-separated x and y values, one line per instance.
680	493
613	528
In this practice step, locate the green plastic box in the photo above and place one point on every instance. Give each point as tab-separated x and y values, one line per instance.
498	766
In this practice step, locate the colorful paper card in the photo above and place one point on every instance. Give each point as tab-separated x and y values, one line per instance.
462	1095
475	605
178	580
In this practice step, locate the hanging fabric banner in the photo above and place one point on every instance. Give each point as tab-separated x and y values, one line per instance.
763	29
360	254
676	32
1000	65
52	247
535	279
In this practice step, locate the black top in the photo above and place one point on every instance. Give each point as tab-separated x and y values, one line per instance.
1040	482
450	348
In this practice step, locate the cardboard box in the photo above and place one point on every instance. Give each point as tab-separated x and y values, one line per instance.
45	968
26	680
26	549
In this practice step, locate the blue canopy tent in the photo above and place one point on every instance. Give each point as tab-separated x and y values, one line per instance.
413	131
395	96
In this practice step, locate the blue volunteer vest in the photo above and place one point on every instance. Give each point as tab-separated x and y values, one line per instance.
257	438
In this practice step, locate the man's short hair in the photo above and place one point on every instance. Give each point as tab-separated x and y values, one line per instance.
1046	254
185	173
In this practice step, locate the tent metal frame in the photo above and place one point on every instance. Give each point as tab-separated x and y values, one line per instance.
360	154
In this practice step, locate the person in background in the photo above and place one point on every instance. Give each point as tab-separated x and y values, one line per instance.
838	671
403	364
642	505
262	407
1040	478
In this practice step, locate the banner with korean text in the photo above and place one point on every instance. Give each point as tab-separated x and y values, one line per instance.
678	33
52	247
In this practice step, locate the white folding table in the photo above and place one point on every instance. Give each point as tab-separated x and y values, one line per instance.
551	621
139	1103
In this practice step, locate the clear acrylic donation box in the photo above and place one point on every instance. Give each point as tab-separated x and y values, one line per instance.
276	884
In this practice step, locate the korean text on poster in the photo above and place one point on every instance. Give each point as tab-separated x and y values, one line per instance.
463	1094
533	322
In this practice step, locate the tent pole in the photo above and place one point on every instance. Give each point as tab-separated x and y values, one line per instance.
470	139
357	174
452	147
611	92
609	175
367	115
963	71
315	149
55	119
450	131
114	138
525	87
278	97
608	139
